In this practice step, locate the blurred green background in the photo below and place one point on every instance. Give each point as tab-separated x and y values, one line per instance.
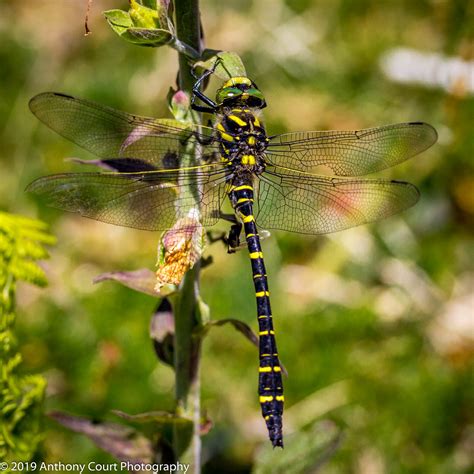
374	324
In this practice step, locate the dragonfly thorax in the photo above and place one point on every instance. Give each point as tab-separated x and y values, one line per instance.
242	138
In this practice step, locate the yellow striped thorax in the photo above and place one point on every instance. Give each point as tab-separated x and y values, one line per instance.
242	136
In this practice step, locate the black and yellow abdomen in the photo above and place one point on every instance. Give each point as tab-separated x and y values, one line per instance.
270	385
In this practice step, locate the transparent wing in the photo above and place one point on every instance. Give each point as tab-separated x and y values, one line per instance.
107	132
351	153
320	204
149	201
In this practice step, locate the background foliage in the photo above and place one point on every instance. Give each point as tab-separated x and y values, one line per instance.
374	324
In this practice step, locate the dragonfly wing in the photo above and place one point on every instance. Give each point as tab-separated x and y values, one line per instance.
320	204
148	201
351	153
107	132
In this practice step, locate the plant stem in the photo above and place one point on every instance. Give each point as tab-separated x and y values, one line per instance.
188	30
187	348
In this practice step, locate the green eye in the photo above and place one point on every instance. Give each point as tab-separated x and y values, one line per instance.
228	93
255	93
232	92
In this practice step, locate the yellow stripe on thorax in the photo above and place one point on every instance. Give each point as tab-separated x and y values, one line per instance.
225	136
237	120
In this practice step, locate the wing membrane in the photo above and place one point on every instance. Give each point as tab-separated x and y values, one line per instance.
320	204
107	132
149	201
351	153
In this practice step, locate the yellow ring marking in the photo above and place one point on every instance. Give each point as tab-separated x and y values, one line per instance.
269	369
247	219
244	200
266	333
280	398
255	255
244	186
267	398
259	294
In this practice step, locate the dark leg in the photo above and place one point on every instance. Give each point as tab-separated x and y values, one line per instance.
216	237
211	105
201	108
233	241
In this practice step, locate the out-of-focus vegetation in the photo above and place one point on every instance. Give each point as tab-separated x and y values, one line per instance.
374	324
22	395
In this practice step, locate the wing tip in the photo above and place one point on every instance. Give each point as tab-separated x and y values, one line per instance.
33	186
432	132
415	191
42	95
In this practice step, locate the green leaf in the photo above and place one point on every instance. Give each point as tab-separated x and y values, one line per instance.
148	37
150	3
123	442
144	17
142	280
156	417
21	399
239	325
305	451
118	20
145	26
229	64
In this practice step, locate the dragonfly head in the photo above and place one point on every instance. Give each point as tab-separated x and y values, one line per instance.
240	91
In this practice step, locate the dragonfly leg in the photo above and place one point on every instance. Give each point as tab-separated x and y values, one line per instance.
210	106
205	262
216	237
233	240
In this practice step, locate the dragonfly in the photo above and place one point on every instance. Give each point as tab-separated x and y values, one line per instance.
273	182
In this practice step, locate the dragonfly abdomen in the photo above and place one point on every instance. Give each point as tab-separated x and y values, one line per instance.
270	385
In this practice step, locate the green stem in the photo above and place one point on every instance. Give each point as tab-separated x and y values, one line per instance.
188	30
187	347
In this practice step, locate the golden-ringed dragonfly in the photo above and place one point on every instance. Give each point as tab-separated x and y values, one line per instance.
272	182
